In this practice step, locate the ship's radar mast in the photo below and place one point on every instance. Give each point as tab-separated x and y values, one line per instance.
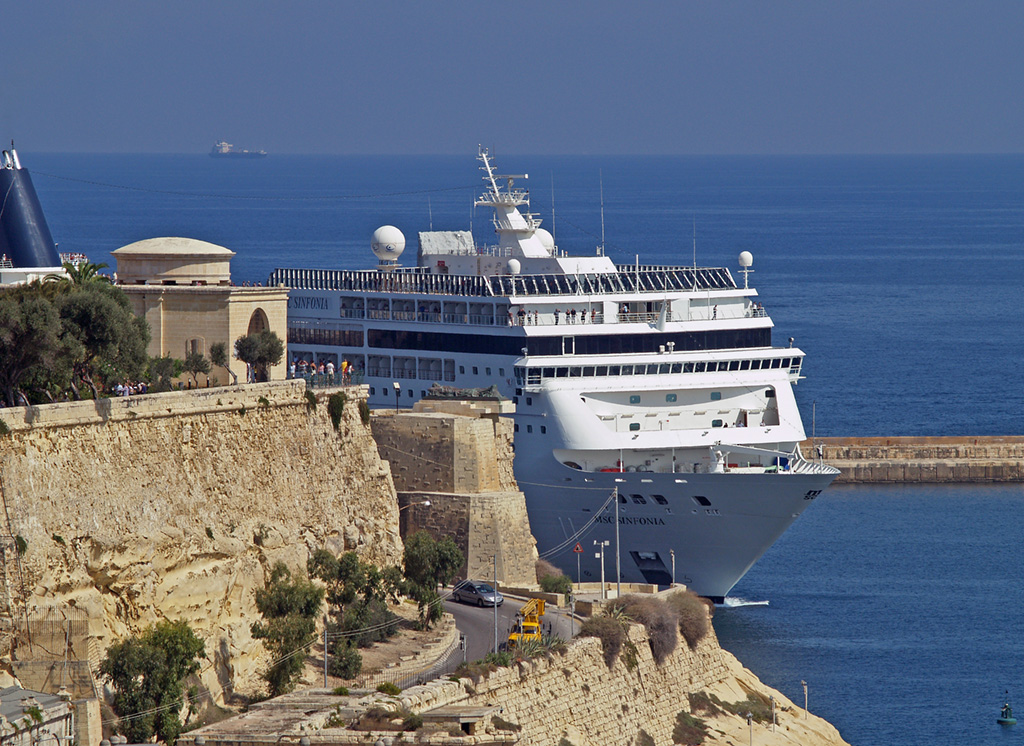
516	230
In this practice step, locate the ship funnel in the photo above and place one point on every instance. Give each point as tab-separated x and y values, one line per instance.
24	236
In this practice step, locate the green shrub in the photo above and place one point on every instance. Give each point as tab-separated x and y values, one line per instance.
659	619
345	661
4	430
364	411
209	532
58	539
21	543
390	689
545	568
412	721
310	401
692	612
609	631
335	407
689	730
263	401
341	691
556	584
701	702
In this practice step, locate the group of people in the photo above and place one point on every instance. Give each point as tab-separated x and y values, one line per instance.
128	389
307	368
522	317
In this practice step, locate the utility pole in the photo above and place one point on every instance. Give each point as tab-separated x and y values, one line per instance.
618	569
325	651
672	554
495	557
804	683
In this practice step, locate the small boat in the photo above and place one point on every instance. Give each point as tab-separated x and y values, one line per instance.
1006	714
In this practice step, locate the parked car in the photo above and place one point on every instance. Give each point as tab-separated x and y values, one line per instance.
477	592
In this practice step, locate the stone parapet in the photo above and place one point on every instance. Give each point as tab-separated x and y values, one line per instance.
932	460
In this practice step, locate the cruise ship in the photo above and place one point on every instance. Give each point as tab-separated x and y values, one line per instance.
652	410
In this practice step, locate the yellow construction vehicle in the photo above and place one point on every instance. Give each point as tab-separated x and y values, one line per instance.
527	622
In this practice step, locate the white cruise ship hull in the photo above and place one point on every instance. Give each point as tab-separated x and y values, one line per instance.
660	382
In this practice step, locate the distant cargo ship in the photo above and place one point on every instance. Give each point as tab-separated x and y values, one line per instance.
227	150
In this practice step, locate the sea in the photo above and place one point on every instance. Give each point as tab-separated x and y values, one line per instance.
901	279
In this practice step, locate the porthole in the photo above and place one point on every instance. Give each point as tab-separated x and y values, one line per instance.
639	499
634	426
716	423
634	399
716	396
701	500
670	397
660	499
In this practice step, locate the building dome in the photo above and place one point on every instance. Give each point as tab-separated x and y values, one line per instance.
173	261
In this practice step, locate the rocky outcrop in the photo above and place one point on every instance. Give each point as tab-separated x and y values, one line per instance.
175	506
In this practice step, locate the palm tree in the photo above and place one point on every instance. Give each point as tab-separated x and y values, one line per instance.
80	274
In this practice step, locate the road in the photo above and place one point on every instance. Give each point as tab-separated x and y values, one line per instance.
477	624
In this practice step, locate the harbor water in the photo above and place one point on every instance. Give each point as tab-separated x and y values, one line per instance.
900	277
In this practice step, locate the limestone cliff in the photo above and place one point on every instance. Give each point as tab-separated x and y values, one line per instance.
176	505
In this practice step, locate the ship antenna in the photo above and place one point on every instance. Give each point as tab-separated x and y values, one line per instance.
430	214
600	177
553	234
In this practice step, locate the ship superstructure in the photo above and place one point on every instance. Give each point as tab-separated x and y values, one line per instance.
658	384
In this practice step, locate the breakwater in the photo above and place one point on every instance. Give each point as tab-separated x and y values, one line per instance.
921	459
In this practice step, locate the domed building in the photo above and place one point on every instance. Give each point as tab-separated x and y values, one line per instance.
182	287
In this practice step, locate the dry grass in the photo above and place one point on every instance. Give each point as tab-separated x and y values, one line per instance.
692	612
659	619
609	631
546	569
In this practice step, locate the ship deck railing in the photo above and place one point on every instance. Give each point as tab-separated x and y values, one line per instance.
419	281
328	380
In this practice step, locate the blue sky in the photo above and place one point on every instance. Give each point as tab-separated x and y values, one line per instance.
772	76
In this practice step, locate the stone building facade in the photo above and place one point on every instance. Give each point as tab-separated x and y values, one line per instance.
182	287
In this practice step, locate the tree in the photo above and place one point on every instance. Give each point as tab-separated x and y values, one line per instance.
196	363
219	357
29	338
103	336
147	673
357	594
260	352
427	563
289	609
79	274
161	370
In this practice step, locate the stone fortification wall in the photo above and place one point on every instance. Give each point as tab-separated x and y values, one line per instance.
923	459
175	506
460	463
576	696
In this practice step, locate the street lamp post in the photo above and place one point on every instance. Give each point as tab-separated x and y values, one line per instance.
398	392
672	554
495	557
804	684
600	556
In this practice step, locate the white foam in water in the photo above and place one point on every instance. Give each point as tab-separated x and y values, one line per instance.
735	603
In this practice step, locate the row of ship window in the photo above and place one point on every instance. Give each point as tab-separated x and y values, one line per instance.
536	375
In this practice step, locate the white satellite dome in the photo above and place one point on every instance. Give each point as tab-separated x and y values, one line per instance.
546	239
513	266
746	259
388	243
